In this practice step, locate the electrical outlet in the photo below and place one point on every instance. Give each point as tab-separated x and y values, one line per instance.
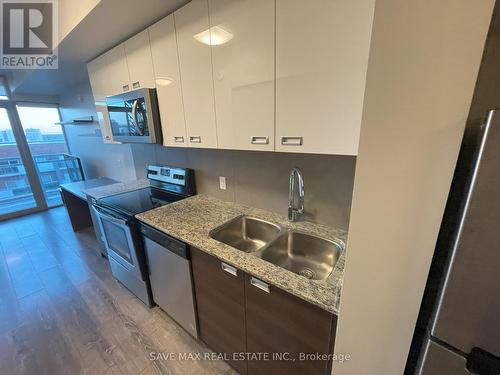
222	182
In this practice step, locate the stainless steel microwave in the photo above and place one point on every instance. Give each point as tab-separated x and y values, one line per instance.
134	117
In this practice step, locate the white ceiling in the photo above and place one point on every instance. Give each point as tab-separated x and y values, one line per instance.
108	24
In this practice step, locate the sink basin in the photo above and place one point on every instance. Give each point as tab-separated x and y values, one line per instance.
304	254
246	233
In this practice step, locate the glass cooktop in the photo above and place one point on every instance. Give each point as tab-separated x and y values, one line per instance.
134	202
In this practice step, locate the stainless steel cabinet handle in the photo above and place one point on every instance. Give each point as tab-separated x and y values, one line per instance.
136	85
126	87
291	141
179	139
256	140
260	284
196	139
229	269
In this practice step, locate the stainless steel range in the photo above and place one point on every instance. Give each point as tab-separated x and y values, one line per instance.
116	216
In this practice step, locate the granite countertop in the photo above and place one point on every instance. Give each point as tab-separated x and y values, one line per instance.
190	220
116	188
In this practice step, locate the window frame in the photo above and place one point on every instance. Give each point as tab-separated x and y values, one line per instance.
28	162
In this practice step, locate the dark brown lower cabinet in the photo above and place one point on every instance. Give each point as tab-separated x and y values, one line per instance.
272	328
286	326
78	210
220	302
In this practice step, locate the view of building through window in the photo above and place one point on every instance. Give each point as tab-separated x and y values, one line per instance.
42	133
48	150
15	190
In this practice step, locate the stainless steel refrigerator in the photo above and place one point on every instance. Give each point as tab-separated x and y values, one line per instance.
462	332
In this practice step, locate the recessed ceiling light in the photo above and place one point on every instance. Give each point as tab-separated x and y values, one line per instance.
214	36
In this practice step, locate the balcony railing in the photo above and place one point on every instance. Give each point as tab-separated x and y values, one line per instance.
53	170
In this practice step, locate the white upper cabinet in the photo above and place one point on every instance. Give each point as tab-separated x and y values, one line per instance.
268	75
99	81
242	38
139	62
321	61
191	24
168	81
98	77
117	71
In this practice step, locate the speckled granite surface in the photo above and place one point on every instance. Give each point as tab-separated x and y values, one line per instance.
117	188
190	220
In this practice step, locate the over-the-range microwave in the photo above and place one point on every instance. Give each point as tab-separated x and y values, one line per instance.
134	116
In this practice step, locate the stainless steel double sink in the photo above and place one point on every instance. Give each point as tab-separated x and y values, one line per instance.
304	254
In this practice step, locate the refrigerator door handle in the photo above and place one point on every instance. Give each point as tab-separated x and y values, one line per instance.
471	270
481	362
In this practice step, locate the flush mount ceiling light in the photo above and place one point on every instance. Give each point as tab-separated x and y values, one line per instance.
163	81
214	36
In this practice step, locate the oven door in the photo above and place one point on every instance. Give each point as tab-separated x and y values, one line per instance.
132	116
118	238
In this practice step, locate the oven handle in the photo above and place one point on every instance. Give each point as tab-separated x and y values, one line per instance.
134	114
103	213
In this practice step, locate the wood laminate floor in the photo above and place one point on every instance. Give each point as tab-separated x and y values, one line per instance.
61	311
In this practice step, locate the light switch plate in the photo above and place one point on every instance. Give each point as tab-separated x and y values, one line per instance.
222	182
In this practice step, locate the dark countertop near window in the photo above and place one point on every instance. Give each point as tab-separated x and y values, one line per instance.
78	188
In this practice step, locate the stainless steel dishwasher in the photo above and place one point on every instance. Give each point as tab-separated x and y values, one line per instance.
170	276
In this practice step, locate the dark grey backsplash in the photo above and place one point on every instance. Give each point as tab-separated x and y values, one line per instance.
260	179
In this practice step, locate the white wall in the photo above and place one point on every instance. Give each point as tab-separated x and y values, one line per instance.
71	13
98	159
423	64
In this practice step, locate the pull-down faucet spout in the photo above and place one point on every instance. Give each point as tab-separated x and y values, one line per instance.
295	194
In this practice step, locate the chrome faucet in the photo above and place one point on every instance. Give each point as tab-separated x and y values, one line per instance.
295	194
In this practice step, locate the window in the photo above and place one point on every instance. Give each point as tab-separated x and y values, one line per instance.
43	135
39	161
4	92
47	145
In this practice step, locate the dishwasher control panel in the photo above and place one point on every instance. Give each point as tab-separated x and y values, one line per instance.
168	242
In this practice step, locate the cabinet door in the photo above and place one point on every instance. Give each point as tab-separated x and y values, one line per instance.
139	62
191	24
278	322
104	124
98	78
220	301
168	81
321	62
243	71
117	71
